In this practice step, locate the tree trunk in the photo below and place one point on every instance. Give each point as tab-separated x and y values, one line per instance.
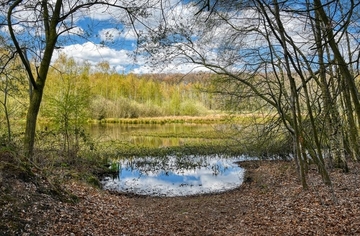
50	24
5	105
31	118
343	66
332	117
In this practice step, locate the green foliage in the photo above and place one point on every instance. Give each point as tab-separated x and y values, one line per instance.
192	108
105	94
88	163
102	108
75	92
66	101
131	96
97	108
13	96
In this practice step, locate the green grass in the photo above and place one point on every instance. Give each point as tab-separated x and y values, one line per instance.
165	120
127	151
216	137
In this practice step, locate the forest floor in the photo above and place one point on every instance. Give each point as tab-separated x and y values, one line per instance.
271	201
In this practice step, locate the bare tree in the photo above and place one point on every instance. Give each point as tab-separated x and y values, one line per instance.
289	54
35	28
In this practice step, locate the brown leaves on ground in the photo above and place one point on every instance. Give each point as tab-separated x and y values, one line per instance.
270	202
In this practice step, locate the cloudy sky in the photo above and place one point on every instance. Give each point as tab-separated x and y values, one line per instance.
100	36
102	33
99	33
114	40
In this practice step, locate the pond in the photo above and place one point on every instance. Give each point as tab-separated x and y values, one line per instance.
177	176
154	135
170	175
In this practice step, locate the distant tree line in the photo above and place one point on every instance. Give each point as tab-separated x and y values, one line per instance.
78	92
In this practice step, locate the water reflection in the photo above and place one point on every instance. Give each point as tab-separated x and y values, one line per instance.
177	176
149	135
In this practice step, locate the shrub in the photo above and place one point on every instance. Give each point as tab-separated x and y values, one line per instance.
192	108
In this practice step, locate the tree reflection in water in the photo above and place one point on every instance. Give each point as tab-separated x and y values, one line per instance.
177	175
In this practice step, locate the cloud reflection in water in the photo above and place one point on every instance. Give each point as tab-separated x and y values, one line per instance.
177	176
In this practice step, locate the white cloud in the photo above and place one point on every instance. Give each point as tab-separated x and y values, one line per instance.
178	181
169	68
95	53
18	29
113	34
73	31
121	60
129	34
110	34
206	41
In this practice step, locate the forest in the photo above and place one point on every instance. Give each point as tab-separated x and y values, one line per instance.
102	94
291	66
107	94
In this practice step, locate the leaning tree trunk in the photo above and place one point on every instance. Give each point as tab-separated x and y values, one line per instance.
332	117
50	23
295	105
343	66
31	118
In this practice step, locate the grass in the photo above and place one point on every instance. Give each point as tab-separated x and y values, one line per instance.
94	156
211	119
226	135
244	118
53	167
199	149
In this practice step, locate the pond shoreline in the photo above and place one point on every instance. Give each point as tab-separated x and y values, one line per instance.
176	175
205	119
269	202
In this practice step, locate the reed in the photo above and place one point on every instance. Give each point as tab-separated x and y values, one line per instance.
168	120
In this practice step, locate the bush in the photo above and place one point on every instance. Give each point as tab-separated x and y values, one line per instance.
98	108
192	108
102	108
150	110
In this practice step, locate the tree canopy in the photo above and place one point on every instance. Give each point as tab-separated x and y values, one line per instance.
35	29
297	58
301	58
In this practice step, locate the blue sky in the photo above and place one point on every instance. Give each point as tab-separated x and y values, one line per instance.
104	43
105	38
100	36
112	41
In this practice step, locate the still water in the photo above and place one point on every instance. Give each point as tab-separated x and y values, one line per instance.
177	176
152	135
180	175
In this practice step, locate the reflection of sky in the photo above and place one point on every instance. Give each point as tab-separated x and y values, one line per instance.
215	174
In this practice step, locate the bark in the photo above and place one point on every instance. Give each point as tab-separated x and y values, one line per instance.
6	111
50	24
295	108
343	66
332	117
351	141
31	118
305	144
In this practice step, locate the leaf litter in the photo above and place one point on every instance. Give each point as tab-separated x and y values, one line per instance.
271	201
